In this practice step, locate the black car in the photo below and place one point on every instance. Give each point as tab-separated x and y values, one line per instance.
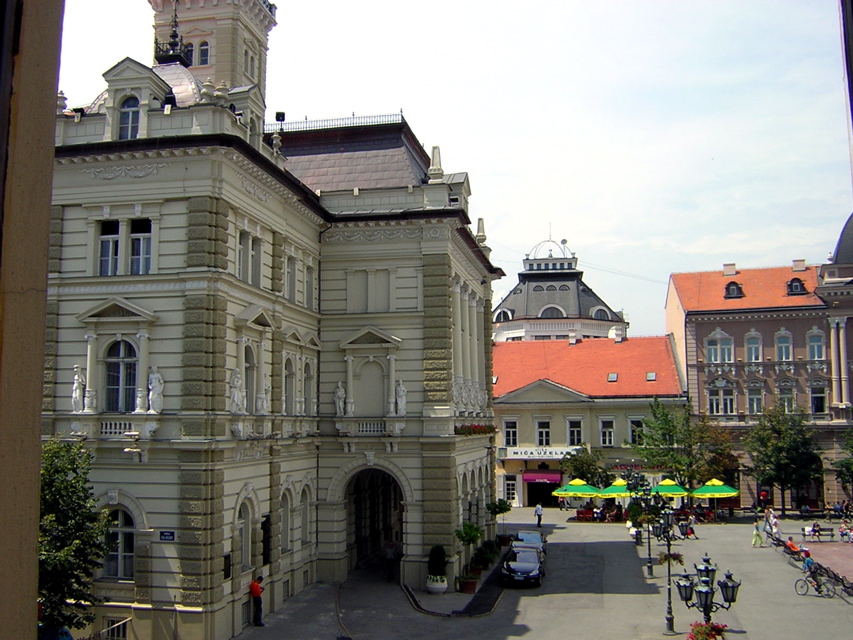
523	565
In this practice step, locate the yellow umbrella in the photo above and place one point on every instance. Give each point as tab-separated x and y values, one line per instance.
715	489
619	489
670	489
577	488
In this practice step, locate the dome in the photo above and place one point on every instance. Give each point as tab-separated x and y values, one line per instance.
843	253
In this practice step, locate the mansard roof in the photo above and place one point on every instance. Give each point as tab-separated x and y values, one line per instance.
587	367
843	253
765	288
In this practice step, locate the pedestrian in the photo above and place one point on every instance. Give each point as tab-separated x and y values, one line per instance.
756	534
691	527
538	513
255	590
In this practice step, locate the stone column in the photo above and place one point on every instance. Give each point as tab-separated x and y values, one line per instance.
142	374
350	400
833	361
473	381
261	399
466	337
842	362
392	377
90	399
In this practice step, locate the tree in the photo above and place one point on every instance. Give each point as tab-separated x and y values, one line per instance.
587	466
692	450
844	466
783	451
72	538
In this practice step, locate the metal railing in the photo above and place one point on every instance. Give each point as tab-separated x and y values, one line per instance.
117	631
334	123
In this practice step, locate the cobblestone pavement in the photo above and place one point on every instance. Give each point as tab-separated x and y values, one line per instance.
596	589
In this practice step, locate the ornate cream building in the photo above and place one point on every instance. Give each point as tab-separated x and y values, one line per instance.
267	340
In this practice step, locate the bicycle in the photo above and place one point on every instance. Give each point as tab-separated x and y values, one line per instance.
823	586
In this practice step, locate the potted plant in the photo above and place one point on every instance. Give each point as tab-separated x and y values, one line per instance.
468	535
467	583
706	631
437	570
500	508
481	559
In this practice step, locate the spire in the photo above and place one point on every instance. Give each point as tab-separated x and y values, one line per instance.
174	50
435	172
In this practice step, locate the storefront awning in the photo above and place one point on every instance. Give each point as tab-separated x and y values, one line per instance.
554	476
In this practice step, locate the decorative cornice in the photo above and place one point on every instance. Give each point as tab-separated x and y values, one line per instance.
385	230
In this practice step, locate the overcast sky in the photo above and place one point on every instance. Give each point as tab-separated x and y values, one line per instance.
654	136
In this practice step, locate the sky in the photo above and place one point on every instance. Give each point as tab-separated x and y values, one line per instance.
655	136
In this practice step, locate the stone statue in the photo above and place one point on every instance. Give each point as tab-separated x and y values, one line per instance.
238	395
401	393
340	400
78	386
155	390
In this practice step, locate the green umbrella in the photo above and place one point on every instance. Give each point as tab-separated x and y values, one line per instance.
670	489
715	489
577	488
619	489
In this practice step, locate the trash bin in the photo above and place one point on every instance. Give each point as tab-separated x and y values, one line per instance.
638	539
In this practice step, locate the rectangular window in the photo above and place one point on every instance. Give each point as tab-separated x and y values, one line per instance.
140	246
721	402
753	349
543	433
510	433
114	629
726	350
108	252
636	425
754	401
290	267
574	438
818	399
783	349
712	351
309	288
786	399
816	347
606	433
728	401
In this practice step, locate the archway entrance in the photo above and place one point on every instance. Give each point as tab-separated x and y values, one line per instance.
374	517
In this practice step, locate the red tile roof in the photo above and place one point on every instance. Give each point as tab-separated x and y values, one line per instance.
584	366
762	289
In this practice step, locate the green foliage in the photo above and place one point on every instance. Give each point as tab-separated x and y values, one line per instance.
72	536
491	547
499	507
782	450
588	466
690	448
844	466
481	558
437	562
469	534
634	511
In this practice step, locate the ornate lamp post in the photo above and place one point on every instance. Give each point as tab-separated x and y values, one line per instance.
663	531
639	487
704	590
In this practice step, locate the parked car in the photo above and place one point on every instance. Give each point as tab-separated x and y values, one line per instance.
531	538
523	565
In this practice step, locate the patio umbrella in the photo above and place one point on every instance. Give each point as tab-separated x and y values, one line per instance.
619	489
577	488
715	489
670	489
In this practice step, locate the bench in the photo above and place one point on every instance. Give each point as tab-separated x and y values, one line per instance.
824	532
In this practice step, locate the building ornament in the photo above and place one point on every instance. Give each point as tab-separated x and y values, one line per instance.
253	189
785	367
129	171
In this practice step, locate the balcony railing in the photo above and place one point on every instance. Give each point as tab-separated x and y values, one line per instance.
334	123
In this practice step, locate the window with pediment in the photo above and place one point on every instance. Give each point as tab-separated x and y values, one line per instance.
786	394
784	346
721	397
719	347
817	395
128	128
752	345
119	562
815	341
120	367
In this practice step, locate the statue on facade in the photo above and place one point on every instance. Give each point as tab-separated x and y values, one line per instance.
238	396
78	387
155	390
340	400
401	394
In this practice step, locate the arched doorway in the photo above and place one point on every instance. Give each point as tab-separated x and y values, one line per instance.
374	517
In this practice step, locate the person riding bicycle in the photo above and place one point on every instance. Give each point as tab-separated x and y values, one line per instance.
809	568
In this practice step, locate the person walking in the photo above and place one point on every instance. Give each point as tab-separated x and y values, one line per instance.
255	590
756	534
538	513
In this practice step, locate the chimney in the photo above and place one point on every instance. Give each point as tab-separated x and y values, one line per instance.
799	265
617	333
573	336
729	269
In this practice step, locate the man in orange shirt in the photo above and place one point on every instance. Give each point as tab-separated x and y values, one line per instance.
255	590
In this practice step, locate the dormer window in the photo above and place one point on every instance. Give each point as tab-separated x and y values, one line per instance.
503	316
734	290
796	287
128	128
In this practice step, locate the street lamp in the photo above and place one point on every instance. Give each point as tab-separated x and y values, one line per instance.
663	531
704	590
639	487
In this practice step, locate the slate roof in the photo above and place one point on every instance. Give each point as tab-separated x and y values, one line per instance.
585	366
566	288
762	289
843	253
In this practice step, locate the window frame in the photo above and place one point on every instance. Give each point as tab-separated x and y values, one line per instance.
121	397
129	116
784	347
607	431
752	351
754	401
120	563
543	433
513	429
574	432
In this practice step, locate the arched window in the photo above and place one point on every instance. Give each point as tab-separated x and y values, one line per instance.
784	351
816	350
564	287
120	387
119	561
306	517
753	348
539	287
601	314
128	128
289	388
502	316
551	312
733	290
796	287
550	287
203	53
245	525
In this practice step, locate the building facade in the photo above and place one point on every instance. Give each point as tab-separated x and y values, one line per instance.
555	396
271	367
754	338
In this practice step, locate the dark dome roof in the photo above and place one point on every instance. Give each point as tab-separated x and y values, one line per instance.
844	249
